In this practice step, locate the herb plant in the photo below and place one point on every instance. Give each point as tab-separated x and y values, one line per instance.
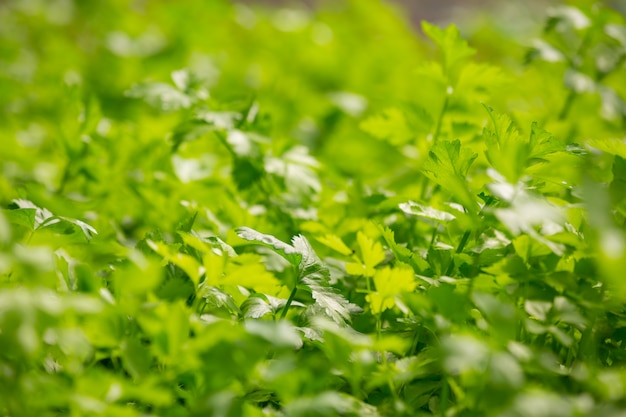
213	209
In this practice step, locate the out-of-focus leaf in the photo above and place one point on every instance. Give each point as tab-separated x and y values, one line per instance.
454	48
390	126
330	403
280	334
335	242
160	95
426	212
183	261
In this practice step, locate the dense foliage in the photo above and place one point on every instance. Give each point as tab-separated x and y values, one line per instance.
212	209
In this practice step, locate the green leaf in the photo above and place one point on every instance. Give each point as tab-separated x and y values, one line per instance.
86	229
136	358
464	353
330	403
284	249
617	32
543	143
247	271
33	217
579	82
297	169
454	49
185	262
41	215
246	172
21	217
507	151
161	96
613	146
500	314
426	212
220	120
312	274
206	244
447	165
245	144
527	212
335	242
402	253
281	333
218	299
193	169
544	51
505	371
390	125
314	277
5	229
330	301
310	263
256	306
562	17
372	254
389	283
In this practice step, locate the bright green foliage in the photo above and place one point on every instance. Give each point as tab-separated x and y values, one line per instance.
454	49
447	165
391	125
389	283
310	274
209	208
371	254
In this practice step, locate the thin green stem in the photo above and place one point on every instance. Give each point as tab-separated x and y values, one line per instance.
445	396
224	142
463	242
289	301
416	340
432	238
574	64
423	181
567	105
442	113
367	279
65	177
383	357
459	249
